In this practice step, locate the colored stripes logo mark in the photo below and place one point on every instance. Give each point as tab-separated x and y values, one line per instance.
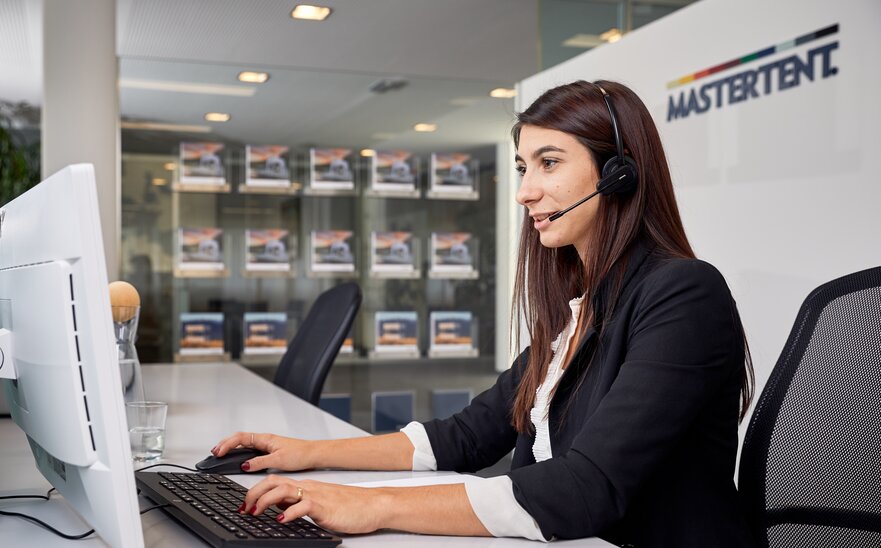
804	39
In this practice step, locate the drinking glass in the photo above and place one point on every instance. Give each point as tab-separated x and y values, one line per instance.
146	428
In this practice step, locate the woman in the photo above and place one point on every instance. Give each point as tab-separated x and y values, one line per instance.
623	411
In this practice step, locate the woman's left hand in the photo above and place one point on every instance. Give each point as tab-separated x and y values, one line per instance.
335	507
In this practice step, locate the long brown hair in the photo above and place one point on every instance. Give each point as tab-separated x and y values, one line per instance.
547	278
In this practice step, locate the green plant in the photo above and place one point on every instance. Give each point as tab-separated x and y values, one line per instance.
19	162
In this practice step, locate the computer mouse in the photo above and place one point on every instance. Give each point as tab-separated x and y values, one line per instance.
231	463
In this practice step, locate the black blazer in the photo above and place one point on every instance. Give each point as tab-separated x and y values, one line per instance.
646	454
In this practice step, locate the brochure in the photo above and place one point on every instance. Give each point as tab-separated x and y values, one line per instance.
392	410
393	171
396	332
201	334
331	169
338	405
332	251
348	346
201	248
451	252
266	332
451	332
392	252
202	164
268	250
267	166
452	173
446	403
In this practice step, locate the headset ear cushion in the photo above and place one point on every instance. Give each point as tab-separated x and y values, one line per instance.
621	179
610	166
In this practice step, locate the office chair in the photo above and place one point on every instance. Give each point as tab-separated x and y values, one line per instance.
810	470
306	363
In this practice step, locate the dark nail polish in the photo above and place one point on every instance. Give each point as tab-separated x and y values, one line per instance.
253	511
241	508
280	518
246	466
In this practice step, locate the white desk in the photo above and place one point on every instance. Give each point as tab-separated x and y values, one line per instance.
206	403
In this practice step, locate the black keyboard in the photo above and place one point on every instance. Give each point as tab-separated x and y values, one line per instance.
208	505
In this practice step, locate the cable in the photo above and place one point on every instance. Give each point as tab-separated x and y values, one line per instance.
166	464
47	526
145	510
41	497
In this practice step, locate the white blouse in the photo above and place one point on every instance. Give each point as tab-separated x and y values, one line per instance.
492	499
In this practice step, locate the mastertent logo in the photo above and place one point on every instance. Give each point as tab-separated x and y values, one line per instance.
779	75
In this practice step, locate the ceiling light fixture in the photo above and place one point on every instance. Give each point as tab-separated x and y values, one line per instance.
311	13
169	166
217	116
503	93
611	36
253	77
465	101
585	41
188	87
367	152
425	128
158	126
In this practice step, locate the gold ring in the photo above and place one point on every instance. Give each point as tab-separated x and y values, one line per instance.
299	494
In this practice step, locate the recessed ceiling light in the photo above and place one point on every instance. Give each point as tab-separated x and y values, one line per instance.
311	13
169	166
367	152
425	128
612	35
217	116
253	77
160	182
503	93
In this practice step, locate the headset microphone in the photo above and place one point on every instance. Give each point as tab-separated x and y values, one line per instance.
619	175
605	186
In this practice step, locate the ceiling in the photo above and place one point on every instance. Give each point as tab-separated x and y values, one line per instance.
451	52
489	40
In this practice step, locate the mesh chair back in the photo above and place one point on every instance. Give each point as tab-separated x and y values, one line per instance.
306	363
810	470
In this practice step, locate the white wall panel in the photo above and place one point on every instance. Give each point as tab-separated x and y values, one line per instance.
782	191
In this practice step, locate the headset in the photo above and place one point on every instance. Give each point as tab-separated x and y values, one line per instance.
619	174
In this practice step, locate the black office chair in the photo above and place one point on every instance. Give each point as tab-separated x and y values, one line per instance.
306	363
810	471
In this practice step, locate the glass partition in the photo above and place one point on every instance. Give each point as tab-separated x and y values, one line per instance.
232	230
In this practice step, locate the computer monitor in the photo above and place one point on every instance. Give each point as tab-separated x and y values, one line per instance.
67	394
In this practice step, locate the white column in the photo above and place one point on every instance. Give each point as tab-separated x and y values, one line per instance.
80	119
507	240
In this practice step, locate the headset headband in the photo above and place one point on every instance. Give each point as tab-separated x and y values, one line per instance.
616	134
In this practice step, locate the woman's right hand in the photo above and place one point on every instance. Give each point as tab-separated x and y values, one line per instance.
289	454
